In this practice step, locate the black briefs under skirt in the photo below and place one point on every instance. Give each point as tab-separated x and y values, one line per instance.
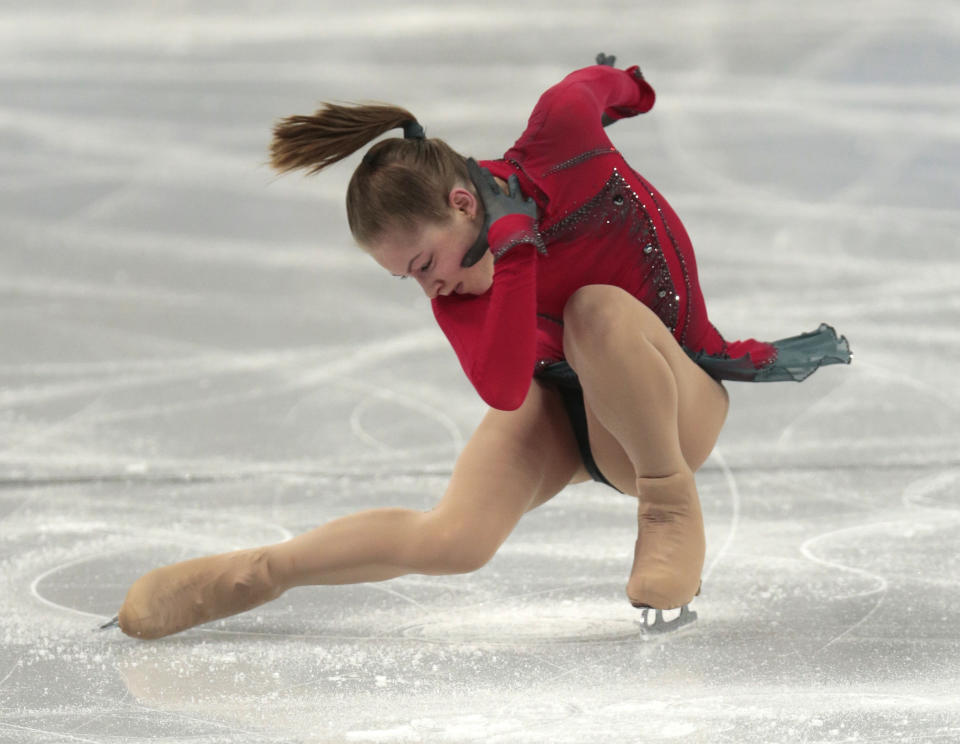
561	377
796	359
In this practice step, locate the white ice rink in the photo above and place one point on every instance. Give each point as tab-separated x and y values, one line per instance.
195	358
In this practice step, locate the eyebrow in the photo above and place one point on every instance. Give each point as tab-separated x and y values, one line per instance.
410	265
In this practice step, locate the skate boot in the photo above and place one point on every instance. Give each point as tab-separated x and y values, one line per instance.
174	598
670	548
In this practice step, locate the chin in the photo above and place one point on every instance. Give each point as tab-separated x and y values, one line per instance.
477	282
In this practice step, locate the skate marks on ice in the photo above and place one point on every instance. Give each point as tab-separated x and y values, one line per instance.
649	716
930	410
735	505
919	537
300	382
879	583
938	494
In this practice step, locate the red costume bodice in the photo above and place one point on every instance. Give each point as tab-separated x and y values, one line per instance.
601	223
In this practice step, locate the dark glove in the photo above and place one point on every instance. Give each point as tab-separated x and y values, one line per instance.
610	60
496	204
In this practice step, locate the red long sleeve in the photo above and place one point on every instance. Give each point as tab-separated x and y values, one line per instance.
566	119
494	334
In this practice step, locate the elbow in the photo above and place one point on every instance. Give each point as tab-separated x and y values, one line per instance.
506	399
506	404
571	101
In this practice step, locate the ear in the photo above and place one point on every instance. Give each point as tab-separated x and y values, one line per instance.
463	200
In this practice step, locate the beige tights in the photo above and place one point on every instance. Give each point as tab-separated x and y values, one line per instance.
670	547
368	546
630	381
174	598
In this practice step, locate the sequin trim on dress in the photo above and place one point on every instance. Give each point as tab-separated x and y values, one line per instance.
676	250
618	206
577	159
526	236
527	184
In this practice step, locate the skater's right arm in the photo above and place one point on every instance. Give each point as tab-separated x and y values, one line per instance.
494	335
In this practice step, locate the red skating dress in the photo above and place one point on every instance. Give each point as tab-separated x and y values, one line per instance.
600	222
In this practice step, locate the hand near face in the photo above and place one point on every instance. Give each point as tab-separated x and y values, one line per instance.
496	204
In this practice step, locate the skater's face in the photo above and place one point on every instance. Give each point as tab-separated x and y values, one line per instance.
432	252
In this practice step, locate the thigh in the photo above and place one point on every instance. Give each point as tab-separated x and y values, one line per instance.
515	461
702	409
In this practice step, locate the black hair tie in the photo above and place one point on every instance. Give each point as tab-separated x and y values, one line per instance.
413	130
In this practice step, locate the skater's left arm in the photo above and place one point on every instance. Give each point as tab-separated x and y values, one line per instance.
569	117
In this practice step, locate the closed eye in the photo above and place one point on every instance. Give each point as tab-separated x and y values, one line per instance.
423	269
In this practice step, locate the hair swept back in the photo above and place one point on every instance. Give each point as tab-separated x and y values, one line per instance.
399	184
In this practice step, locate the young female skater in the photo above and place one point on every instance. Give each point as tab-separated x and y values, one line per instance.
568	288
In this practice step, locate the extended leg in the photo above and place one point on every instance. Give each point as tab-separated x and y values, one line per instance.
514	461
654	416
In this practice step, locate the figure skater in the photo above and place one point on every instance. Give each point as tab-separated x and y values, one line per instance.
568	288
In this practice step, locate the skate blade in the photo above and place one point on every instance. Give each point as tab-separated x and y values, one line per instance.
115	623
654	622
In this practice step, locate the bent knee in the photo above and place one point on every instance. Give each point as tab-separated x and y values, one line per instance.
597	313
591	308
447	548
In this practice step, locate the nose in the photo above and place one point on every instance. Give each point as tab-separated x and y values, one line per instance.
433	287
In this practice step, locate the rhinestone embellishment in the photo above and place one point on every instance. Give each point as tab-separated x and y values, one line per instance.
617	212
676	249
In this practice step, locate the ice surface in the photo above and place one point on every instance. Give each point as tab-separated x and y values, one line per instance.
195	358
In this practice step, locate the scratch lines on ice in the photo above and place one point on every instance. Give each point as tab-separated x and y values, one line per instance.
384	394
735	506
13	668
60	567
881	585
69	737
918	493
